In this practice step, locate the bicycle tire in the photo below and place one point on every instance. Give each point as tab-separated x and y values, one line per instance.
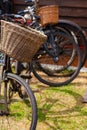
64	32
78	31
18	114
53	82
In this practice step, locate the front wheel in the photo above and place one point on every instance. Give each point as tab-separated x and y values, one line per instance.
20	109
66	68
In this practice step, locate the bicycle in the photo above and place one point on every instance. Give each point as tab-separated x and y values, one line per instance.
48	74
16	107
49	49
67	25
52	51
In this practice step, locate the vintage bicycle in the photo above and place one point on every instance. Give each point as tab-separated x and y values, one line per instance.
59	45
61	50
16	107
64	44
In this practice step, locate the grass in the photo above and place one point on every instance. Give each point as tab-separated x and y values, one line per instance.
60	108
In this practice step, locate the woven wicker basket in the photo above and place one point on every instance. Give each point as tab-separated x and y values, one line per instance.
48	14
19	42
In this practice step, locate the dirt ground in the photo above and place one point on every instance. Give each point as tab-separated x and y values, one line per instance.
72	102
80	80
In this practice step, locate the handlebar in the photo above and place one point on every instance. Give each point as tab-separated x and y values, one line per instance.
12	16
22	12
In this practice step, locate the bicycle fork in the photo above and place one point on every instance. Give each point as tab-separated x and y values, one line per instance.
51	46
54	48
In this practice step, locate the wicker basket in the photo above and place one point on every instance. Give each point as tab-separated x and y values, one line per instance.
48	14
19	42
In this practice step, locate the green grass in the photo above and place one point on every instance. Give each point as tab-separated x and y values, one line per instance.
61	108
58	108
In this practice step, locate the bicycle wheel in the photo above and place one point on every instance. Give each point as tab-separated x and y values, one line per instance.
60	44
19	110
63	71
78	32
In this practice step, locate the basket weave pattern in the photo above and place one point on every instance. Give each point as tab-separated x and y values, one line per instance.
49	14
19	42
